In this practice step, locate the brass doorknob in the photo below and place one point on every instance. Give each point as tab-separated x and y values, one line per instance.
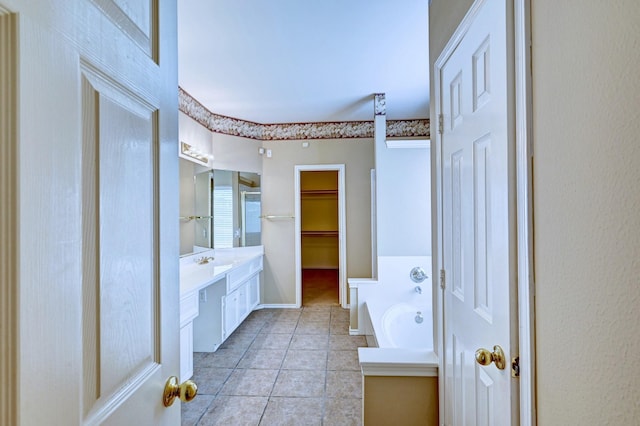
186	391
486	357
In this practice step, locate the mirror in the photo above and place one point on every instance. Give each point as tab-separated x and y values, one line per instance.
219	208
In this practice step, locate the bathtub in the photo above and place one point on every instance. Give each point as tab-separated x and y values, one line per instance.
397	344
395	325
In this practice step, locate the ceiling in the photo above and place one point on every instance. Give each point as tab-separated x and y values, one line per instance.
303	61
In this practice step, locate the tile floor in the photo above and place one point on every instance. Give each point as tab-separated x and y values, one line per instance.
281	367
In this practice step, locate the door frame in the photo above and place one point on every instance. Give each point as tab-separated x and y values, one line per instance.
9	220
520	41
342	229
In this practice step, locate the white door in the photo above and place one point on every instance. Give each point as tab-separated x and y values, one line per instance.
97	230
478	222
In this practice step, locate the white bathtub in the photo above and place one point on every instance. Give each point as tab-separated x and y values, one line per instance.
395	325
398	346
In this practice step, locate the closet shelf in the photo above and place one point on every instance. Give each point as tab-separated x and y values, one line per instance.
311	192
320	233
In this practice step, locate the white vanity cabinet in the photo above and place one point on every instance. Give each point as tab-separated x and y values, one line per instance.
225	303
243	293
215	297
188	312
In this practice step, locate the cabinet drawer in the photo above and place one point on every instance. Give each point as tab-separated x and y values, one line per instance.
241	273
188	308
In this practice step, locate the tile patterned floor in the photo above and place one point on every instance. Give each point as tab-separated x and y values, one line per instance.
281	367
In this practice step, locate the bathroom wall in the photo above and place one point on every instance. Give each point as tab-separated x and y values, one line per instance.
586	200
278	197
403	180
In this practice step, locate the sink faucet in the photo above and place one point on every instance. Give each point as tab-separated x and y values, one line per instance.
418	289
203	260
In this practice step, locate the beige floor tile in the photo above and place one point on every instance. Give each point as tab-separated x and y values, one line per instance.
287	314
284	366
238	341
309	341
210	380
234	411
316	315
344	343
192	411
282	411
223	358
249	382
271	341
262	359
300	383
337	327
344	384
251	326
279	327
305	360
312	327
343	360
342	412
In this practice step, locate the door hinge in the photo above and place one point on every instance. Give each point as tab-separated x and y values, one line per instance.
442	279
515	367
441	124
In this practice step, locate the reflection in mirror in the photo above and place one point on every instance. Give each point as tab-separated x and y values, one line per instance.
219	208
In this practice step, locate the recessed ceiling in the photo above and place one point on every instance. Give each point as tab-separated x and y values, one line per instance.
301	61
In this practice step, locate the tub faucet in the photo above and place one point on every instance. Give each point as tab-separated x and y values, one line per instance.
418	289
419	317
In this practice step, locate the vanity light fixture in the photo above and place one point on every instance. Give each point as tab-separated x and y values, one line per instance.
194	153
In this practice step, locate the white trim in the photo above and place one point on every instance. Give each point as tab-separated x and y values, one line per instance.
524	210
374	227
407	143
397	362
9	243
277	306
342	229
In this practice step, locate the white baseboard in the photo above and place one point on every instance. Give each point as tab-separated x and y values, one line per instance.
278	306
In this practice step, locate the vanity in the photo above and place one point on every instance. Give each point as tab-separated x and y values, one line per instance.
218	289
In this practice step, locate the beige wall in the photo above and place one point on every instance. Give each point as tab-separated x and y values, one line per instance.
586	57
278	197
586	122
397	400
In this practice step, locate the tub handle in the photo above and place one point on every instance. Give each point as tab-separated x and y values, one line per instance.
418	275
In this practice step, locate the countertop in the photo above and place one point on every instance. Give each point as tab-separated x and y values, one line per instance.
194	277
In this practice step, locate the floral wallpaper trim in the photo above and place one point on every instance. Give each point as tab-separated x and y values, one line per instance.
379	104
295	131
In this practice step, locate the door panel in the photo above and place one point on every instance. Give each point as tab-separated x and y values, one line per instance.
99	314
121	306
477	221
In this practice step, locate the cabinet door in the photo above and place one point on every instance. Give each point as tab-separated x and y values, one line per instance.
230	313
186	351
253	291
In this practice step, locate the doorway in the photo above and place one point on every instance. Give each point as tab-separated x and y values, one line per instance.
320	232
